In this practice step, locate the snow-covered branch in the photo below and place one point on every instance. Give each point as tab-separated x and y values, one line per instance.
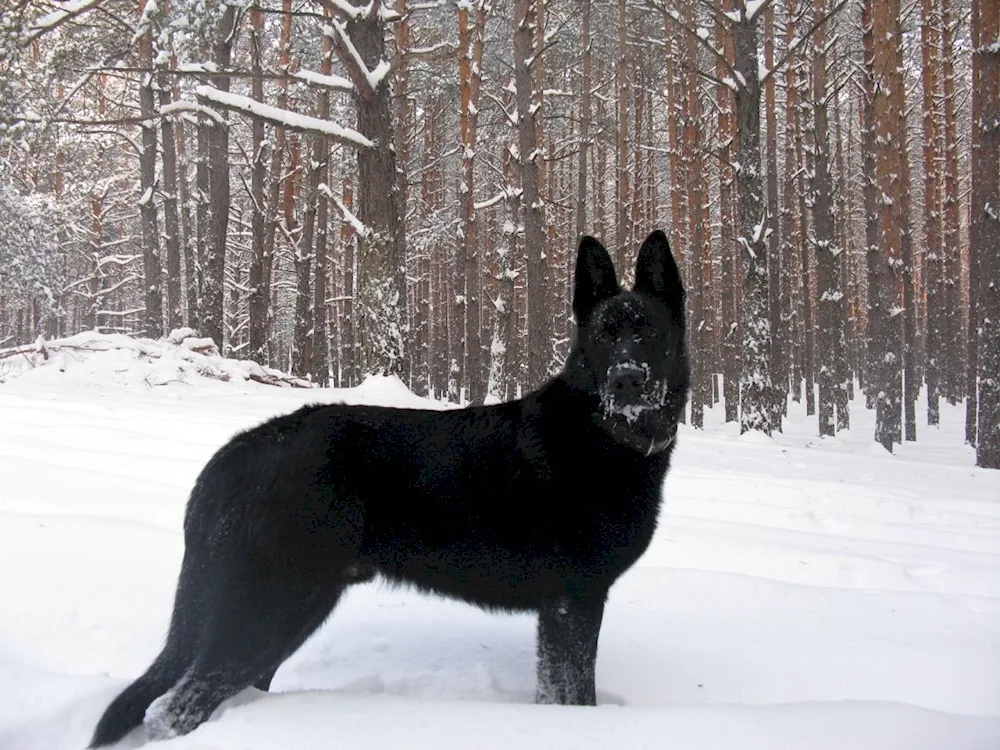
283	118
338	83
49	21
365	81
359	226
185	106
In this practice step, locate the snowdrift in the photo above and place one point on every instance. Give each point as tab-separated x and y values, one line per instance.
181	357
800	593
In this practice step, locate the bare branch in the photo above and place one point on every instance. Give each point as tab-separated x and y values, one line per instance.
802	40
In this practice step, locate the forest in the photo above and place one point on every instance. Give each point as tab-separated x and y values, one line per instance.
340	188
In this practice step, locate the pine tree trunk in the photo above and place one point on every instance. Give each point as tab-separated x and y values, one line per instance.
585	115
152	270
696	228
502	382
96	283
321	325
828	253
886	345
911	369
292	230
755	382
274	194
871	203
933	250
779	370
675	114
213	299
467	267
621	163
425	322
804	266
791	239
171	223
539	316
381	251
188	228
985	226
730	333
349	355
302	345
203	214
844	374
259	295
954	376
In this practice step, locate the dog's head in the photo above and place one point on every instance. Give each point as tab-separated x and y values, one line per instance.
629	350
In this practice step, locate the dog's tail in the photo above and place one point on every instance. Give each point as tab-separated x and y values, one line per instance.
126	712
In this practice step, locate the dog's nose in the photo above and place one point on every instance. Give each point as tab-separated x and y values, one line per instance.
627	381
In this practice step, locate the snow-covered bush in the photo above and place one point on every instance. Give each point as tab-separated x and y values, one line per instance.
29	250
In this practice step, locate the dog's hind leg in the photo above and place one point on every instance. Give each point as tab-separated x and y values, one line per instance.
264	681
568	630
126	711
255	623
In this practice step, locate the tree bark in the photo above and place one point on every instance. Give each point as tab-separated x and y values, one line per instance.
152	269
933	249
828	252
729	247
888	304
350	356
416	375
381	251
467	331
954	377
779	370
171	223
871	203
791	239
321	158
696	232
985	228
539	317
259	295
213	300
755	381
621	165
585	116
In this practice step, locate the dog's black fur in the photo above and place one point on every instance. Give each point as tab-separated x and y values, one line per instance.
538	504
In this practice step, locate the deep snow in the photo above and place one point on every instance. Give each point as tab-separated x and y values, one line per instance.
800	592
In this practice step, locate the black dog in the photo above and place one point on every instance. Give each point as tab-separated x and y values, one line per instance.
534	505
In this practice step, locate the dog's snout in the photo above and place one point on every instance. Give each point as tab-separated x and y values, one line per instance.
627	380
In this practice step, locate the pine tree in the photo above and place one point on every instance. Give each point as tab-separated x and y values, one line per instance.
985	229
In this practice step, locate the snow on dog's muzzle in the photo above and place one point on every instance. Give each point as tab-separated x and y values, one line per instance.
625	381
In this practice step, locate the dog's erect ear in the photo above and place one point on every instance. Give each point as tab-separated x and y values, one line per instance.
656	272
595	278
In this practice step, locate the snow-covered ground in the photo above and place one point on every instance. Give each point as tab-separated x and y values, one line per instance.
800	593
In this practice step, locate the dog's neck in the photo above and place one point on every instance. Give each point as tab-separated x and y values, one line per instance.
658	446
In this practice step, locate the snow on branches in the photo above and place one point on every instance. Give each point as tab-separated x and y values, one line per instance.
29	266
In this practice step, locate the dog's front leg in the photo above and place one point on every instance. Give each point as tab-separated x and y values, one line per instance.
567	650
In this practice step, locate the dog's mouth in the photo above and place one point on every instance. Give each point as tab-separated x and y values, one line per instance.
643	419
